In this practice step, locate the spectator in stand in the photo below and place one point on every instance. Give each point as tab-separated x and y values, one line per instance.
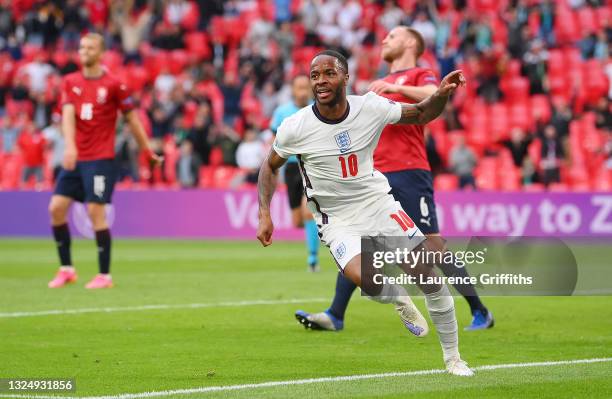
462	162
200	132
8	133
608	150
231	90
518	145
20	91
552	155
164	84
534	66
250	154
285	39
283	11
32	146
561	117
53	136
603	114
259	35
131	20
529	173
227	140
310	19
126	154
426	28
188	165
601	49
42	25
391	15
75	21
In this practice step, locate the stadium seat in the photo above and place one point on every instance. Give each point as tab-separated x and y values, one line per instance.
498	121
534	188
558	187
515	89
519	115
446	182
587	22
540	108
197	45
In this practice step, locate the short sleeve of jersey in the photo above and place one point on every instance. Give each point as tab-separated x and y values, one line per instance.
389	110
124	99
284	143
66	93
427	77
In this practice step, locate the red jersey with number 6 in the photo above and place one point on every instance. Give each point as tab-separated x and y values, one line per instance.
96	102
402	147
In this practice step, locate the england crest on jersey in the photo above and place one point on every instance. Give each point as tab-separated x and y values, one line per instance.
344	141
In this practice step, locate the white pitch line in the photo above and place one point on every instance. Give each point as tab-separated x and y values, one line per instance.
162	307
313	380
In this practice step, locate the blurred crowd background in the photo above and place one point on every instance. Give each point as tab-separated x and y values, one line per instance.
208	74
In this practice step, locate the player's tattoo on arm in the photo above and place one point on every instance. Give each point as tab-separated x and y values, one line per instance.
423	112
266	182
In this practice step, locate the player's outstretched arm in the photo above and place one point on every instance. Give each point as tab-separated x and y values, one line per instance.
430	108
141	136
69	132
414	93
266	185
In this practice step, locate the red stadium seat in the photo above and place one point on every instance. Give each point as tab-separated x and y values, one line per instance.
519	115
510	178
540	108
446	182
197	45
534	188
556	62
566	26
558	187
515	89
498	121
586	20
206	178
177	61
535	152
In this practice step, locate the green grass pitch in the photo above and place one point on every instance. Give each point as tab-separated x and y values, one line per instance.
230	339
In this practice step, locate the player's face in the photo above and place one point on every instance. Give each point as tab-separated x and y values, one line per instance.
90	51
301	91
328	80
394	44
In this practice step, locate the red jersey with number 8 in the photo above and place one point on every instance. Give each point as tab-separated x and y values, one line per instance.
402	147
96	102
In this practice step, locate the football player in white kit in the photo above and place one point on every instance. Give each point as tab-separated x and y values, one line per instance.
334	141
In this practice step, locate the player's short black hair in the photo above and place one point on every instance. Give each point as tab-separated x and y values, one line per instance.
337	55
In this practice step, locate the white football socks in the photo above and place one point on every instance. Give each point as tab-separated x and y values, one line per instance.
441	307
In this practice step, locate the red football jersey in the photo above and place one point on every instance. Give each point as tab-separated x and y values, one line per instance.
402	147
96	102
32	147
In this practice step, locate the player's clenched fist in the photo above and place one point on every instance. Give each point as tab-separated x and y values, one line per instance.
265	229
450	83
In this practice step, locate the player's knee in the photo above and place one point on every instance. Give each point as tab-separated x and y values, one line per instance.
97	216
297	220
57	211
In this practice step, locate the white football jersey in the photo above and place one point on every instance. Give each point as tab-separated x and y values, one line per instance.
336	157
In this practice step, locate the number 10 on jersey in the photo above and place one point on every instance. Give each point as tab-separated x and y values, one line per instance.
352	168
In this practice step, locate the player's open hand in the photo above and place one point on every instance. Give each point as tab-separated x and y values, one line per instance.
70	158
265	229
380	86
451	82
